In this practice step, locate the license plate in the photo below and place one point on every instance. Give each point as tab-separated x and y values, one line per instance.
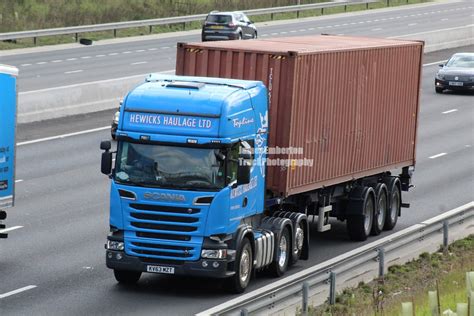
160	269
217	27
455	83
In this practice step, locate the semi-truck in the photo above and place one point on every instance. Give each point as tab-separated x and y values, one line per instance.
8	108
223	170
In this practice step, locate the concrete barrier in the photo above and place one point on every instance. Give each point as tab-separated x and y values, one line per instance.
444	39
106	94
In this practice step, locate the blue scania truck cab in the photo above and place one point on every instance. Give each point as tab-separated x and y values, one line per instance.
187	190
8	113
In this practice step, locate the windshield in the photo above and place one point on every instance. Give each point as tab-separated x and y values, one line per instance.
169	167
461	61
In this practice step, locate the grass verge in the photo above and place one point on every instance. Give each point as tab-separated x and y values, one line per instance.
410	283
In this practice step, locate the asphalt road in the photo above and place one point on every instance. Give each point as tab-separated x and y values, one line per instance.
78	64
62	204
57	256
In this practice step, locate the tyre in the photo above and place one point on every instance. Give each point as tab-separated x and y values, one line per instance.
283	252
240	36
393	210
359	225
255	35
439	90
381	207
299	243
243	268
127	277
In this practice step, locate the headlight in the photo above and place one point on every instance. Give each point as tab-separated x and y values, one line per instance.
115	245
214	253
439	76
116	117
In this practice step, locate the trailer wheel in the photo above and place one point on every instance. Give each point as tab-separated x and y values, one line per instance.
127	277
243	268
393	208
360	224
381	209
283	253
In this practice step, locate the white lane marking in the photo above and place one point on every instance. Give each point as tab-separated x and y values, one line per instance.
311	29
64	136
85	57
71	59
435	63
112	54
153	48
450	111
437	156
283	32
139	63
412	24
274	34
127	52
302	30
23	289
9	229
100	55
19	180
25	65
166	47
445	19
73	71
57	61
139	51
377	29
41	63
293	31
467	146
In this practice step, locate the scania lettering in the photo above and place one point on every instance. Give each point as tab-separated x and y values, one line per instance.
213	179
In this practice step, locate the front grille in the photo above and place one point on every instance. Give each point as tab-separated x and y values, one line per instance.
159	246
174	228
164	218
163	236
162	254
164	209
460	78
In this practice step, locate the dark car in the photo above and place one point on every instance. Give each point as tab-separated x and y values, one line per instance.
227	26
456	74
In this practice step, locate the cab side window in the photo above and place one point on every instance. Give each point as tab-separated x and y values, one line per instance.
233	160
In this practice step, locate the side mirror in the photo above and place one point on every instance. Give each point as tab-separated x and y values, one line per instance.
106	162
441	65
105	145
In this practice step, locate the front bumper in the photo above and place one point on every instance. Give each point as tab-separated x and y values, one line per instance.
444	84
190	268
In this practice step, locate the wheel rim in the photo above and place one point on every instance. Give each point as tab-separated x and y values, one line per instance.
299	239
369	211
382	210
244	265
283	250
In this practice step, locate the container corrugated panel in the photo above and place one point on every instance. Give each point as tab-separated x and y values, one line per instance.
350	103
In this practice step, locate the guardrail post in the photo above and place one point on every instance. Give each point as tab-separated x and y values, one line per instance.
445	235
332	288
271	16
115	32
34	41
76	37
345	8
304	308
322	11
381	258
388	3
184	26
244	312
151	29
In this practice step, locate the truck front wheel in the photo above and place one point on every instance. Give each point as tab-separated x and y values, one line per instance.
243	268
127	277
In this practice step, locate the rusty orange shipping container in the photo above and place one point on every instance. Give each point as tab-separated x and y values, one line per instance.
350	103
